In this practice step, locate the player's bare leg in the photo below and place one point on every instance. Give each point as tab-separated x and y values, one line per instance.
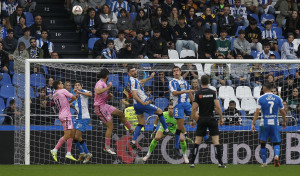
194	153
218	150
110	127
163	122
180	127
121	115
137	131
183	148
159	135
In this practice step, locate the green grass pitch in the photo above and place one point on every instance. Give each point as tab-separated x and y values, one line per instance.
147	170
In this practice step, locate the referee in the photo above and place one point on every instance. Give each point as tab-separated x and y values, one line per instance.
207	101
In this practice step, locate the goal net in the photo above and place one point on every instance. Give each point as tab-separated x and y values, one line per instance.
238	84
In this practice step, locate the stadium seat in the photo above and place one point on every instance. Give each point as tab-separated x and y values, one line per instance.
29	19
5	79
296	43
37	80
246	122
44	67
150	82
162	103
200	70
239	28
92	42
227	100
212	88
173	54
132	16
114	79
18	79
1	119
19	103
254	54
268	17
248	104
280	43
146	38
255	17
278	31
261	28
243	92
186	53
232	41
111	38
256	92
207	68
21	92
145	65
2	104
125	79
7	91
57	122
226	92
277	55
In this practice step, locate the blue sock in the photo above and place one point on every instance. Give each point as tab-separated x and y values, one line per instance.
163	121
79	147
84	147
277	150
263	154
177	137
137	132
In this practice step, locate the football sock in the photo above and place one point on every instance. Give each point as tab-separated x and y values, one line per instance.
194	153
177	137
277	150
107	143
84	147
183	147
152	145
163	121
60	143
218	151
128	125
263	154
69	144
137	131
78	145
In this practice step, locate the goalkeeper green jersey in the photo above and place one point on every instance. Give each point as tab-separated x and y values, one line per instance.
223	46
171	122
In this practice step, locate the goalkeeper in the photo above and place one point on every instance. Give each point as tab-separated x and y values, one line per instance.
172	126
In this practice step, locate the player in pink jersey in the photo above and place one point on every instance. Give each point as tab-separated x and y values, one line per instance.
60	98
105	111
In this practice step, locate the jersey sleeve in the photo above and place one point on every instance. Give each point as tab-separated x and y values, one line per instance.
258	104
133	84
172	86
67	94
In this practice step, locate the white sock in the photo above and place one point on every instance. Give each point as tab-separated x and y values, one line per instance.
148	154
167	130
107	146
68	153
54	150
133	142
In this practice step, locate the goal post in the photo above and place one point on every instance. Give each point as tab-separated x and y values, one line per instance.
92	62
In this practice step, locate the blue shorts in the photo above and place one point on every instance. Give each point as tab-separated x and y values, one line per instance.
149	109
81	124
271	131
181	109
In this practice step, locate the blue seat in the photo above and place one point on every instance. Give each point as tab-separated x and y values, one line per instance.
2	104
278	31
44	67
7	91
19	79
232	41
146	38
268	17
261	28
150	82
5	79
277	55
111	38
114	79
37	80
162	103
254	54
1	119
19	103
255	17
293	71
132	16
238	29
21	92
280	43
57	122
92	42
29	19
125	79
11	67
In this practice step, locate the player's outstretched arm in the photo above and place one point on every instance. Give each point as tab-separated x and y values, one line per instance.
100	90
219	110
74	97
143	81
283	113
88	94
256	114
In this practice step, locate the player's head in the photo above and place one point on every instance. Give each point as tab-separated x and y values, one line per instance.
78	85
68	86
132	71
232	105
176	72
58	85
104	74
267	87
204	80
170	109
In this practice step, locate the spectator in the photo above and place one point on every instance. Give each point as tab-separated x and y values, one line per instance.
49	88
173	18
266	7
43	42
139	45
109	21
218	9
34	51
239	13
9	42
232	116
41	95
26	38
197	32
287	109
182	35
28	5
78	19
224	45
210	21
253	35
251	6
157	46
109	52
127	52
125	24
11	111
8	7
120	41
100	44
41	113
151	7
189	4
148	91
207	46
242	45
256	75
91	27
21	51
166	32
265	54
271	80
292	25
269	35
19	29
287	48
14	18
220	74
286	8
293	100
296	115
97	4
189	72
288	87
54	55
38	27
5	26
167	5
4	59
191	17
117	5
156	17
142	22
239	73
227	22
161	85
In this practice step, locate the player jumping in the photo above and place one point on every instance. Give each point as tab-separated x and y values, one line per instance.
172	126
105	111
141	105
60	98
269	125
82	122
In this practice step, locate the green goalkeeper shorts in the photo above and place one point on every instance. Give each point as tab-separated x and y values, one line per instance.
161	128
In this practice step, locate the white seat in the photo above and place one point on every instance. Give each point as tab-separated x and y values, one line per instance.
198	14
212	88
173	54
256	92
296	43
248	104
185	53
226	92
243	92
200	70
237	103
207	68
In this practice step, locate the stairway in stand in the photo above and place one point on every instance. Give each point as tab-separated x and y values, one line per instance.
62	30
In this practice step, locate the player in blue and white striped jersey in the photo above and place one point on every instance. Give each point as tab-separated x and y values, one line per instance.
180	89
269	104
142	105
82	121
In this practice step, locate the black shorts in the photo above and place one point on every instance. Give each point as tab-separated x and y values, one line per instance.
207	122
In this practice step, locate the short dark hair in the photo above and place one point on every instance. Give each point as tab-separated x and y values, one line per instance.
123	10
223	30
241	31
204	80
104	32
12	101
181	17
103	73
26	29
19	7
121	32
268	85
266	43
43	30
10	30
32	39
56	83
273	55
176	67
232	101
129	68
42	89
207	31
268	22
253	22
110	41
